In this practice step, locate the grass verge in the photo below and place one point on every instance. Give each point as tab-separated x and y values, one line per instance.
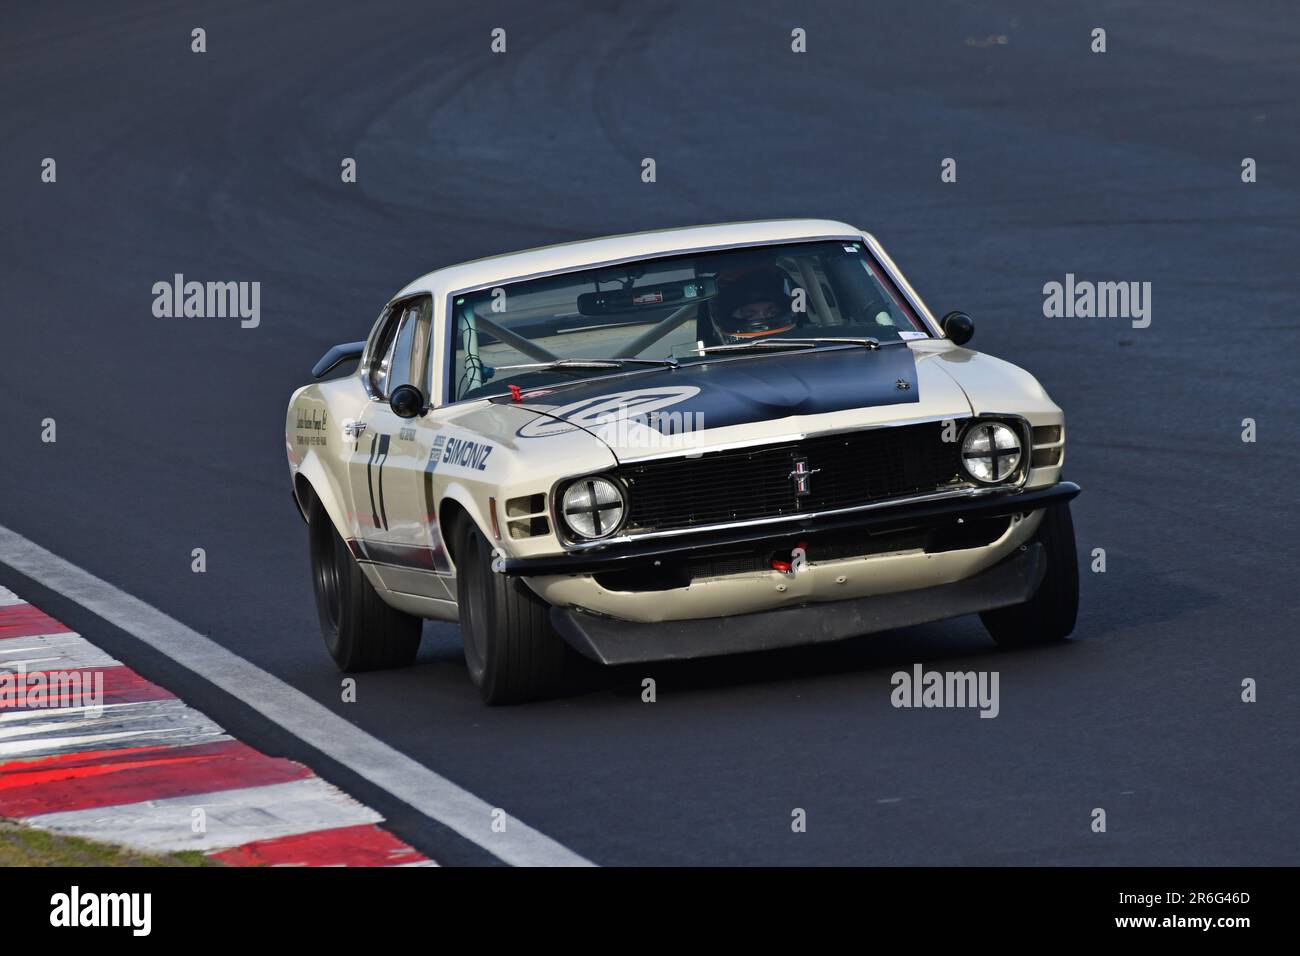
26	846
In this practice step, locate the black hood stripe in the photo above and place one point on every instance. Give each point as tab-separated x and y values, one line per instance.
719	394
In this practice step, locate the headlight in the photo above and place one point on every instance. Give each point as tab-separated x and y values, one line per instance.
990	452
593	507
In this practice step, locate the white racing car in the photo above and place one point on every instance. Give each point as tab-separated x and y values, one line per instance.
674	444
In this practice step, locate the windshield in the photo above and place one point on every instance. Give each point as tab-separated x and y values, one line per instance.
680	309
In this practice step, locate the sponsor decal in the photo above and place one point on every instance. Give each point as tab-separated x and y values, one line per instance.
467	453
435	451
313	423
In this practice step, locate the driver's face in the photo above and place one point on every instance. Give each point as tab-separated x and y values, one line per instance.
756	312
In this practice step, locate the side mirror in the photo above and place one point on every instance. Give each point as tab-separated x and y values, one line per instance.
958	327
407	401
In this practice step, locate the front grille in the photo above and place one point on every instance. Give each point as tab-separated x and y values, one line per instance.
850	469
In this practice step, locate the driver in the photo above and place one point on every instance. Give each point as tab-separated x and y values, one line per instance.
754	305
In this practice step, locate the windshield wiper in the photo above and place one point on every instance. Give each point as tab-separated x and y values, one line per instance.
581	364
786	343
867	342
737	346
671	363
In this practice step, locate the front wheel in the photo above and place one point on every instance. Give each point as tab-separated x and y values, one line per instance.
361	632
1049	615
512	652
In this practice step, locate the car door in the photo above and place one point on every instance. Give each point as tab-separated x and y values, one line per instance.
391	492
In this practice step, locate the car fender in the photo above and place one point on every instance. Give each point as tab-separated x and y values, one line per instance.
995	386
520	466
476	508
315	445
325	486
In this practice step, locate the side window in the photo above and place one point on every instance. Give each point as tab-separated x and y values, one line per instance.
404	347
382	348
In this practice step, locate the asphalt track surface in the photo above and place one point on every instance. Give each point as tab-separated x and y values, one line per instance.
1118	166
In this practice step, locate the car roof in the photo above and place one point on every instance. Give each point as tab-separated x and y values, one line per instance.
571	256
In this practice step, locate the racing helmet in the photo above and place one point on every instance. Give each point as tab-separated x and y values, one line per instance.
753	305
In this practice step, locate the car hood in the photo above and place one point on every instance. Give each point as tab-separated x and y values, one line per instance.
754	398
991	385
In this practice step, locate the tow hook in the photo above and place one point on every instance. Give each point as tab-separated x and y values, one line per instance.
798	560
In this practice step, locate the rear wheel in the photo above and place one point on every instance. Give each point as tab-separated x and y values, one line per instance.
1049	615
361	632
512	652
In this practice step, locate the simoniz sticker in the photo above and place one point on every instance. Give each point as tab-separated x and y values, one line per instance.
467	453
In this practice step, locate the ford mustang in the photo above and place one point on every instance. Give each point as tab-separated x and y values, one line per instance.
674	444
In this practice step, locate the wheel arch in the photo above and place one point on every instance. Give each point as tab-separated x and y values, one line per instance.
457	507
312	481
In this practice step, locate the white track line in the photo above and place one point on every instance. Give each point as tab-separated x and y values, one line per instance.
406	779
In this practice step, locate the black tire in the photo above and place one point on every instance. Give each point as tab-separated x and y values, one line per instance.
1049	615
361	632
512	652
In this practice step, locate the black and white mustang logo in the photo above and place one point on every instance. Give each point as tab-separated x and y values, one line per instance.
801	475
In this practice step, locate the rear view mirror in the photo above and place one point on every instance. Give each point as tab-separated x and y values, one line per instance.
654	296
